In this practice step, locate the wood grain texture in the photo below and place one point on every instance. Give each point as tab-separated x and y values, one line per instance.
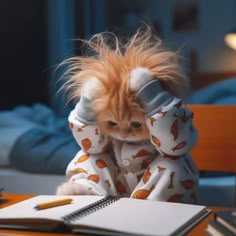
216	146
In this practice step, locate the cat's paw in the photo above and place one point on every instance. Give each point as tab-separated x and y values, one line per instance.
138	78
91	88
69	188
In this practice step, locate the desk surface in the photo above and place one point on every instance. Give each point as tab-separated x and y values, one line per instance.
10	199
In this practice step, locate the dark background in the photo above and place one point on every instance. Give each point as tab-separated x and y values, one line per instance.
23	53
25	69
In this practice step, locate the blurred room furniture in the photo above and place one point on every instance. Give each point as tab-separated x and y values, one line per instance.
202	79
230	39
216	152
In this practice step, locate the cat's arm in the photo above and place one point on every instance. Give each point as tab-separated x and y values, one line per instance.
170	123
82	122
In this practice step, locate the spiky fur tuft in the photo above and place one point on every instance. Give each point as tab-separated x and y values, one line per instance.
112	61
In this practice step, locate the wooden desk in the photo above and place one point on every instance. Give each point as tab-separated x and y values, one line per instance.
14	198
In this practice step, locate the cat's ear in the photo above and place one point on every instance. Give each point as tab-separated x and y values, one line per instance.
139	76
91	88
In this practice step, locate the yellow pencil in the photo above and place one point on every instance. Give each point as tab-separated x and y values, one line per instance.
53	203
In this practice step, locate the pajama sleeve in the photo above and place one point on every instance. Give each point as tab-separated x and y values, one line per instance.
86	132
172	176
91	169
170	123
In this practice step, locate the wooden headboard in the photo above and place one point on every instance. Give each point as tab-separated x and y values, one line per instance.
203	79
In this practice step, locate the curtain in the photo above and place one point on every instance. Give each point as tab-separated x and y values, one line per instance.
68	20
61	31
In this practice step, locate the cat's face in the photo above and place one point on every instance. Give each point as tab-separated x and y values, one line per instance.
128	129
122	119
114	101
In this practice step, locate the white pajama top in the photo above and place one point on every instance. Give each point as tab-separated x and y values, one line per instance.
157	169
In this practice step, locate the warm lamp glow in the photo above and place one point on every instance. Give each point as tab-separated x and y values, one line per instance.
230	40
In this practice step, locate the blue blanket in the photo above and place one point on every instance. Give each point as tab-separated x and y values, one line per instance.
34	139
223	92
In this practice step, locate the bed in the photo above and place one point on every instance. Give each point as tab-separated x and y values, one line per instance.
35	148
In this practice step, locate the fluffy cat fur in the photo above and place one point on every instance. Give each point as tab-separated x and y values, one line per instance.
112	75
105	76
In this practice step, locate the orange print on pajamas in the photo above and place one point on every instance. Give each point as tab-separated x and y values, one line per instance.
82	158
94	178
79	170
80	129
101	164
142	193
152	120
179	146
141	153
174	129
156	141
86	144
147	176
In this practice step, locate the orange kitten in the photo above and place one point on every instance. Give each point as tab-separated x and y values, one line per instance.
128	96
108	71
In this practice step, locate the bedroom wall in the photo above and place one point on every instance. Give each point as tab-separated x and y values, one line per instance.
214	19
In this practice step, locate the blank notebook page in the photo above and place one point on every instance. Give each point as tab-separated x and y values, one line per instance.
139	218
26	209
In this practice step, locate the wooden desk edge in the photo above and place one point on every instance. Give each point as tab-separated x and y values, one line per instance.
11	198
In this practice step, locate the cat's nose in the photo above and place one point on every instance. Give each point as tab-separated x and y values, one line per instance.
124	134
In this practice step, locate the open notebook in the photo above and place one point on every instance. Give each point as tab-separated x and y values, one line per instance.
103	216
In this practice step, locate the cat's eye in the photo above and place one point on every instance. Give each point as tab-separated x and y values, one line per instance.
135	124
112	123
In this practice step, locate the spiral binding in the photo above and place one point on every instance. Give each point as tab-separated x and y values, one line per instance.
91	208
